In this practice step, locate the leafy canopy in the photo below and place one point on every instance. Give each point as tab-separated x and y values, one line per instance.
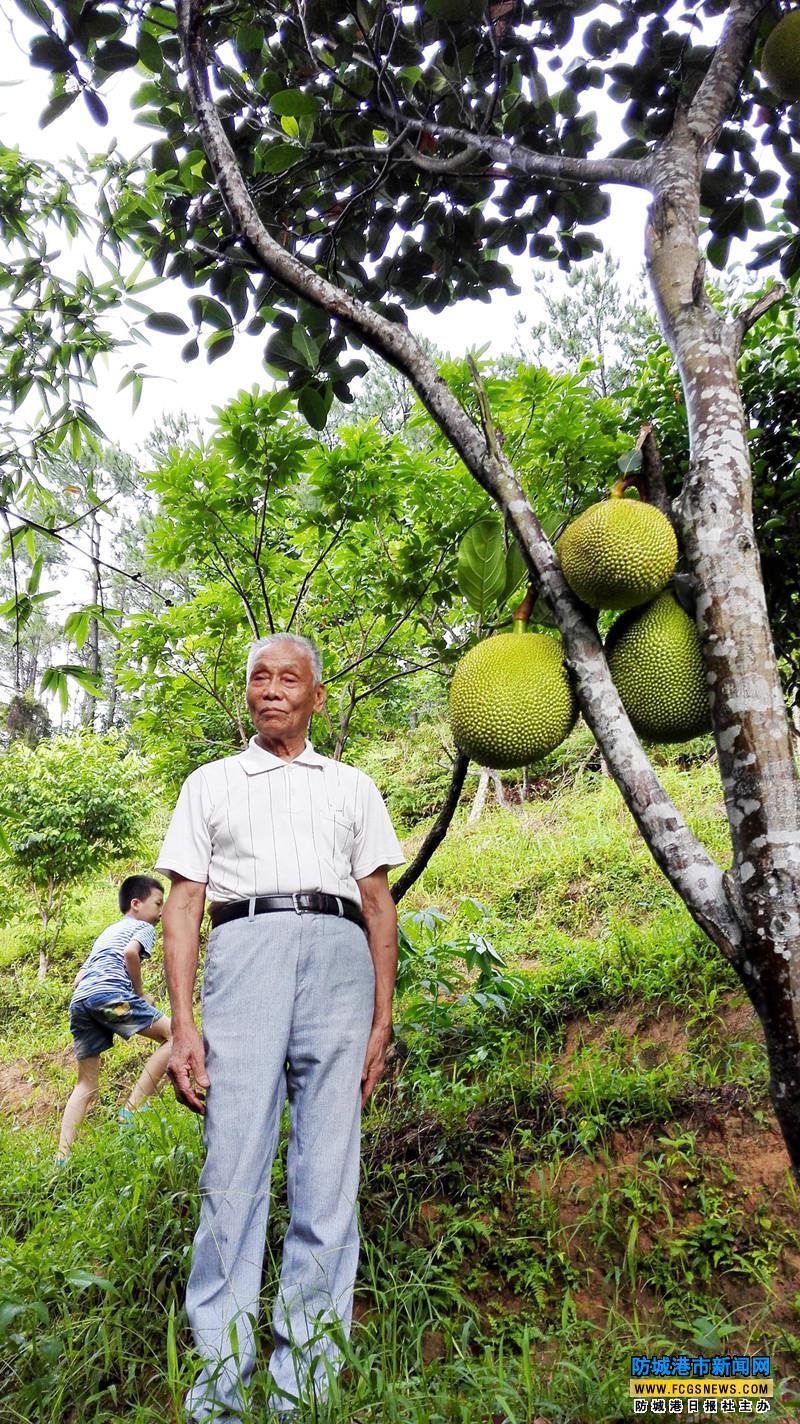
369	134
69	806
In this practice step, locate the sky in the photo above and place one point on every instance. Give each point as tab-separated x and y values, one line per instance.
197	387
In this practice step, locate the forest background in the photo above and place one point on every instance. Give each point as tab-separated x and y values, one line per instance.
574	1159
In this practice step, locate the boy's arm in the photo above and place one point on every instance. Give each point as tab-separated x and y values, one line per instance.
133	964
183	913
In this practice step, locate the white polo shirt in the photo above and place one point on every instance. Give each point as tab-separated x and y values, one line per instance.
253	824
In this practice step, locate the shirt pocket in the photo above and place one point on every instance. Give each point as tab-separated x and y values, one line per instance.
337	824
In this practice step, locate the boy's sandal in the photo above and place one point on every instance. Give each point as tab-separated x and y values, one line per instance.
125	1117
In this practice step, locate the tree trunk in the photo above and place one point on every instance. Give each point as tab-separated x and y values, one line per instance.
41	972
486	774
437	832
714	516
345	714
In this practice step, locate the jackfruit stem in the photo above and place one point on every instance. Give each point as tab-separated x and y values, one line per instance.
649	478
521	615
626	482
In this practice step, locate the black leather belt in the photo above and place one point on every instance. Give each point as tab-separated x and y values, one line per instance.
302	902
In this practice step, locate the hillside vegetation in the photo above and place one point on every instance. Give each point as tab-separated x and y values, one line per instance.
573	1158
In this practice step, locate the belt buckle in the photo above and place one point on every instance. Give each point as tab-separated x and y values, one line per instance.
295	898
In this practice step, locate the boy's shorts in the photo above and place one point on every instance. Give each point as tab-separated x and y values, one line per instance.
94	1021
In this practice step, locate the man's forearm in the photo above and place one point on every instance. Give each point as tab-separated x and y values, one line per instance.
382	939
183	913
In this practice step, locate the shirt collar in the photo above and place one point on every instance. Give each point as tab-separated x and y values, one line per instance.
256	759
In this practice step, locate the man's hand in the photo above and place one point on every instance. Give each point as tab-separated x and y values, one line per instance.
374	1060
187	1069
150	999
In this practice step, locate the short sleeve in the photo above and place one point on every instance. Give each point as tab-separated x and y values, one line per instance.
374	842
187	845
145	936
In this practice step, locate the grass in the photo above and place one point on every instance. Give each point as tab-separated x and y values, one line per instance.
570	1162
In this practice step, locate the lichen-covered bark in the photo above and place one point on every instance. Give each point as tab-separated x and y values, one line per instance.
714	516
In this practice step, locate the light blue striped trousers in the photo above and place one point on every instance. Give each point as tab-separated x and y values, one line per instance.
287	1009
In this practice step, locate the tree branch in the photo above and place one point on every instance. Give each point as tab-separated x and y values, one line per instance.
437	832
630	172
27	522
653	471
393	676
438	165
691	871
370	652
715	99
310	574
753	313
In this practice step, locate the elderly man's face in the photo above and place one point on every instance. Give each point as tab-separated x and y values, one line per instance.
282	692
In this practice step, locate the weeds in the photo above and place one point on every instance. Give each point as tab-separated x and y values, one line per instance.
554	1172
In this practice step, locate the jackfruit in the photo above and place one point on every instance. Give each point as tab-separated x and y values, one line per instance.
511	700
618	553
655	662
780	58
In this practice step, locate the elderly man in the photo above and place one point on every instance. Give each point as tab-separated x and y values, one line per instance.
292	849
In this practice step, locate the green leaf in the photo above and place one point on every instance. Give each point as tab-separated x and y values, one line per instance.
516	571
47	52
57	106
116	55
168	322
96	107
280	400
630	461
37	11
294	104
54	680
481	568
717	252
314	407
278	157
83	1279
281	353
10	1309
305	347
208	310
76	626
790	262
218	344
150	51
35	574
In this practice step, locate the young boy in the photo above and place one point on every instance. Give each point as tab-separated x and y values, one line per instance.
108	998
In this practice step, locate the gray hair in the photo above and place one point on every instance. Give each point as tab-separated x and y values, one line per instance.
312	651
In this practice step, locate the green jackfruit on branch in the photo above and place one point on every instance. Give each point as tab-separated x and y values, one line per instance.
780	58
618	553
511	700
655	661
